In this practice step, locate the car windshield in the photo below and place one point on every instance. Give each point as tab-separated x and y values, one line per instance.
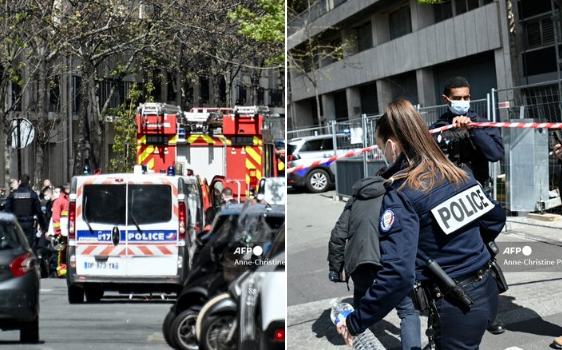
9	238
105	204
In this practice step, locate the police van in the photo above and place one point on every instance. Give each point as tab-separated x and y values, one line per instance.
131	233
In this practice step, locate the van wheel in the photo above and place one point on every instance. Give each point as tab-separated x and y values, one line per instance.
75	295
183	330
29	331
317	181
93	294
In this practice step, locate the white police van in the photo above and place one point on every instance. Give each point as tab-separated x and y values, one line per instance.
131	233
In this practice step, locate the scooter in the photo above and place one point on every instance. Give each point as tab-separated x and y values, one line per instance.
249	315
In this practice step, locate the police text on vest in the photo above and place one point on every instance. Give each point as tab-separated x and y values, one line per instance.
462	209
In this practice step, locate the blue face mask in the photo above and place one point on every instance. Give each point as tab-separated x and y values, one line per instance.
459	107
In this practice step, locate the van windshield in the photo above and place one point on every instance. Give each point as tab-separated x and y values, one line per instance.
105	204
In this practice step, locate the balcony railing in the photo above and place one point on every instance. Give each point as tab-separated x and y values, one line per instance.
310	15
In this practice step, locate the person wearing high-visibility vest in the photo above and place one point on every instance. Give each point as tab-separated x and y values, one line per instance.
60	226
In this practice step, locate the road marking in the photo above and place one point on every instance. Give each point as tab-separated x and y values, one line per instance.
513	348
155	338
45	290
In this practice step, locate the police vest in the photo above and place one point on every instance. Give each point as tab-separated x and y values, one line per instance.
22	204
462	209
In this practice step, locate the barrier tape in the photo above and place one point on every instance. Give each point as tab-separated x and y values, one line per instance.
341	156
513	125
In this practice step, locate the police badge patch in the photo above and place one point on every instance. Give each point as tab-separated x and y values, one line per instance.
387	219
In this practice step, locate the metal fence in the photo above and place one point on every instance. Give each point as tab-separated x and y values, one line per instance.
314	131
526	178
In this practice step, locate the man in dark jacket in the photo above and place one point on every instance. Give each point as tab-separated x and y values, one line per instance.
470	148
24	204
467	146
355	243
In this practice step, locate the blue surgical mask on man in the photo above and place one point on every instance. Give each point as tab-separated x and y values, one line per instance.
459	107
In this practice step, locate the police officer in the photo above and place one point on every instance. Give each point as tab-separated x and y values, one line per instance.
25	205
432	211
467	146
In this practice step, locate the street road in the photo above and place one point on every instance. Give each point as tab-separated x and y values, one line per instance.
531	308
117	322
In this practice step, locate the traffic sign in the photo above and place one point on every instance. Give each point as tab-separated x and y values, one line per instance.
26	133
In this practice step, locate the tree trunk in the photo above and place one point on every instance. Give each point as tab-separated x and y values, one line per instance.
41	135
82	154
7	148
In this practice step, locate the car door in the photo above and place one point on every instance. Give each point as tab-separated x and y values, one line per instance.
152	226
101	226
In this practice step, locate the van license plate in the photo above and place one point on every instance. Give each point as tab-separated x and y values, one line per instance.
102	265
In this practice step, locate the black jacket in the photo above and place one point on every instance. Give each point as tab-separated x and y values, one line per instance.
473	148
24	204
358	225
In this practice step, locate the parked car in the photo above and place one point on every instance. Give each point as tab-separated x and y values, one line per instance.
312	148
19	281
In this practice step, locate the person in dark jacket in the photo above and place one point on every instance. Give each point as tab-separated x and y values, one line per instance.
467	146
432	213
25	205
355	243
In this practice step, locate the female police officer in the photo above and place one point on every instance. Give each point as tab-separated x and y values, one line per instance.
432	210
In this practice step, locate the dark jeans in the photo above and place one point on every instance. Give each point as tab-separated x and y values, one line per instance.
410	327
28	228
464	331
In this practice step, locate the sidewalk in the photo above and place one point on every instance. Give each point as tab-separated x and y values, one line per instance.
531	308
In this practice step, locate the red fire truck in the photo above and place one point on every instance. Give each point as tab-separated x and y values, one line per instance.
232	147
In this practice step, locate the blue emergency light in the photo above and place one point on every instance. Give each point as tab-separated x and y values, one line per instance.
171	171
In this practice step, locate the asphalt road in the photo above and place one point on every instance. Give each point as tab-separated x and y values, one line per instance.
531	309
117	322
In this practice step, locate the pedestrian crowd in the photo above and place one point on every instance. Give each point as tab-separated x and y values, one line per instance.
43	216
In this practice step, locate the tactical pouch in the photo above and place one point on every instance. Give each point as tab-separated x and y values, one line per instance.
420	298
498	276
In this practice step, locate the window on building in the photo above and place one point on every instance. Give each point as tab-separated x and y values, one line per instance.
539	32
261	96
400	22
539	61
531	8
240	94
276	98
205	92
54	95
450	8
364	37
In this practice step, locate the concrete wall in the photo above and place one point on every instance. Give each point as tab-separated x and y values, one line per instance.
474	32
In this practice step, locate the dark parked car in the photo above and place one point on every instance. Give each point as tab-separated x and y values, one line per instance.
19	282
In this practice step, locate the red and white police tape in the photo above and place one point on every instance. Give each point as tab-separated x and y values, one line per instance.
433	131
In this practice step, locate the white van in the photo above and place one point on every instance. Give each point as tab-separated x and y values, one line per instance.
131	233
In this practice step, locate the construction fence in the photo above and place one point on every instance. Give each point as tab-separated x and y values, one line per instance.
525	180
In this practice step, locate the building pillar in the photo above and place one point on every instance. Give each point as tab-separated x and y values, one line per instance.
353	96
384	94
329	107
426	87
304	116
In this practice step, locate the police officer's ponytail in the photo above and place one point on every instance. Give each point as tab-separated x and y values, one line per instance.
404	125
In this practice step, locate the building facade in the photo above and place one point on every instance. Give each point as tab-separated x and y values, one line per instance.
390	49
